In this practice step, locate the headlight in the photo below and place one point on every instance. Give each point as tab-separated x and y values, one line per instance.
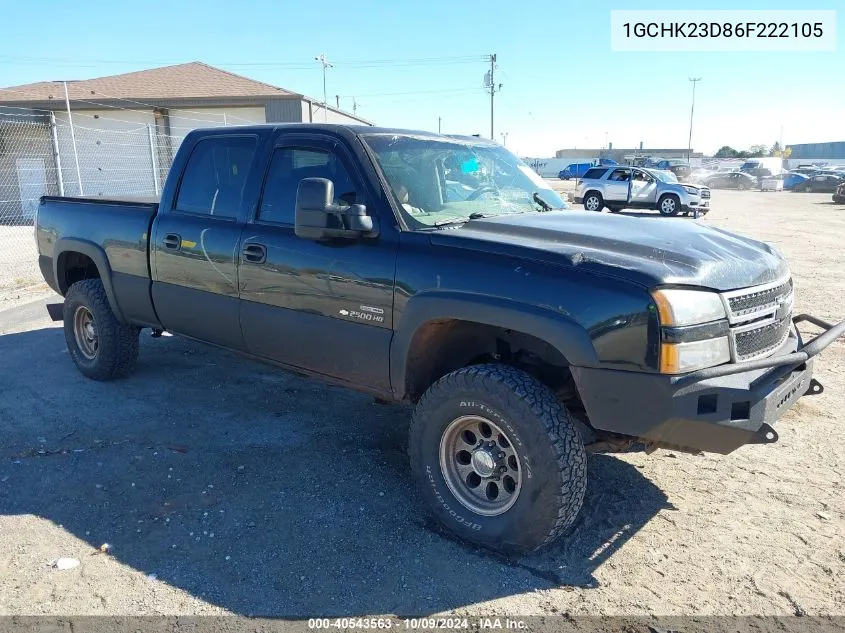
693	190
689	312
676	306
677	358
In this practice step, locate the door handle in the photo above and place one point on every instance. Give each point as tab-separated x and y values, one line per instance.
172	241
255	253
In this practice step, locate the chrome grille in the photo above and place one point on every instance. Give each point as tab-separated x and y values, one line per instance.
761	340
760	319
749	302
705	193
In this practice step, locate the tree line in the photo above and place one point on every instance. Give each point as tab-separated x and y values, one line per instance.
755	151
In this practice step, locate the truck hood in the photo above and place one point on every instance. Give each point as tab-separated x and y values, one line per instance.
646	251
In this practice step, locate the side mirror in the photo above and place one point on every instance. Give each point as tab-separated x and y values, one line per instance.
317	218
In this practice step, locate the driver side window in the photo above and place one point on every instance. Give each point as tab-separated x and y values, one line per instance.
288	167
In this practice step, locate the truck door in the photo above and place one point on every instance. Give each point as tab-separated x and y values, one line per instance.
327	306
195	243
616	186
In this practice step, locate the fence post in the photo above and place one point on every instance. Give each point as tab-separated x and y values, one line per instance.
153	158
73	141
54	134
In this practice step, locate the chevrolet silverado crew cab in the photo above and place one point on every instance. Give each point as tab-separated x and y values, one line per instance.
443	272
620	188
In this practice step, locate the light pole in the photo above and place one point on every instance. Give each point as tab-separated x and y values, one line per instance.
694	81
504	138
325	64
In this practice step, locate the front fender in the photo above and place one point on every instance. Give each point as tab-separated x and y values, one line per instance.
556	329
97	255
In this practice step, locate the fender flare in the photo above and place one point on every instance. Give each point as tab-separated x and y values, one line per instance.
558	330
98	256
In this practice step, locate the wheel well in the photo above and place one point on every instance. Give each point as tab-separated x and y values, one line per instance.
595	191
73	267
442	346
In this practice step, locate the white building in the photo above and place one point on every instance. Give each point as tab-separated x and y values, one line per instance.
126	128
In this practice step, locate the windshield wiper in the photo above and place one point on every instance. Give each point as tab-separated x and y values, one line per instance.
539	200
471	216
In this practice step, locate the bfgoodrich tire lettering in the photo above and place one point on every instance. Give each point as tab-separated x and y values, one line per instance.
552	459
116	347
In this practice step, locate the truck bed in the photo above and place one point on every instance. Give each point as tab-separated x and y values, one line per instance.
114	233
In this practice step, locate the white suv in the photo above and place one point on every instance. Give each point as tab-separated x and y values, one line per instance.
621	187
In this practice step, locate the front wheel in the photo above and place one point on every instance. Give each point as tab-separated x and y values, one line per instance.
593	201
100	346
497	458
669	205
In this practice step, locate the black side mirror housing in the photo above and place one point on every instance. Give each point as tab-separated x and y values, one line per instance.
317	218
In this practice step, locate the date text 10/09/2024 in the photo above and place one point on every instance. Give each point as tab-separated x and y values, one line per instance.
417	624
723	29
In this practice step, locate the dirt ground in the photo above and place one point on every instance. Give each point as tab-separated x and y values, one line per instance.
225	486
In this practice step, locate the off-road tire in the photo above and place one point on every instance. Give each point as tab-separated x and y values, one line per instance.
598	197
552	458
674	210
117	349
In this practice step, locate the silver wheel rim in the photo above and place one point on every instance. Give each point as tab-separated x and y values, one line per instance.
85	332
592	203
480	465
668	205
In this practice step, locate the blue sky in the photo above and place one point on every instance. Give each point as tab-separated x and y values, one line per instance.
562	85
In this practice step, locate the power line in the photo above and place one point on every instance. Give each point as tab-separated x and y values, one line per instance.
412	92
351	63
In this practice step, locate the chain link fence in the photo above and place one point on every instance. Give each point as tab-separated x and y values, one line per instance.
43	154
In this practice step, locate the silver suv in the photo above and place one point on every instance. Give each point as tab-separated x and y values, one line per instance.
623	187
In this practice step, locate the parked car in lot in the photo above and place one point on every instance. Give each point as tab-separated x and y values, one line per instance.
765	166
574	170
822	183
620	188
792	178
677	166
731	180
519	330
839	195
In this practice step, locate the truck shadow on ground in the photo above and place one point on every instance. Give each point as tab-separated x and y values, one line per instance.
261	492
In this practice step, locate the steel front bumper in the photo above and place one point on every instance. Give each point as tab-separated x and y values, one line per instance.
717	409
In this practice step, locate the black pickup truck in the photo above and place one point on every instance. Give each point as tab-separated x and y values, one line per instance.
443	272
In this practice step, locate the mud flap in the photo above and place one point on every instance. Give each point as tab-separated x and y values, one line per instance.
55	311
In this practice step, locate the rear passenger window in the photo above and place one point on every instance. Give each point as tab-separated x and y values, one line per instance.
594	173
287	168
214	178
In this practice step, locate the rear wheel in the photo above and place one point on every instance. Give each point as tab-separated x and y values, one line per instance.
100	346
669	205
497	458
593	201
741	186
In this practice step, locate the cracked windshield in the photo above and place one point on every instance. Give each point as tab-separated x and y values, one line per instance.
441	182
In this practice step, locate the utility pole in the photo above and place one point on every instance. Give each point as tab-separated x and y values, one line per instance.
504	138
694	81
337	101
325	64
73	140
439	121
490	82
